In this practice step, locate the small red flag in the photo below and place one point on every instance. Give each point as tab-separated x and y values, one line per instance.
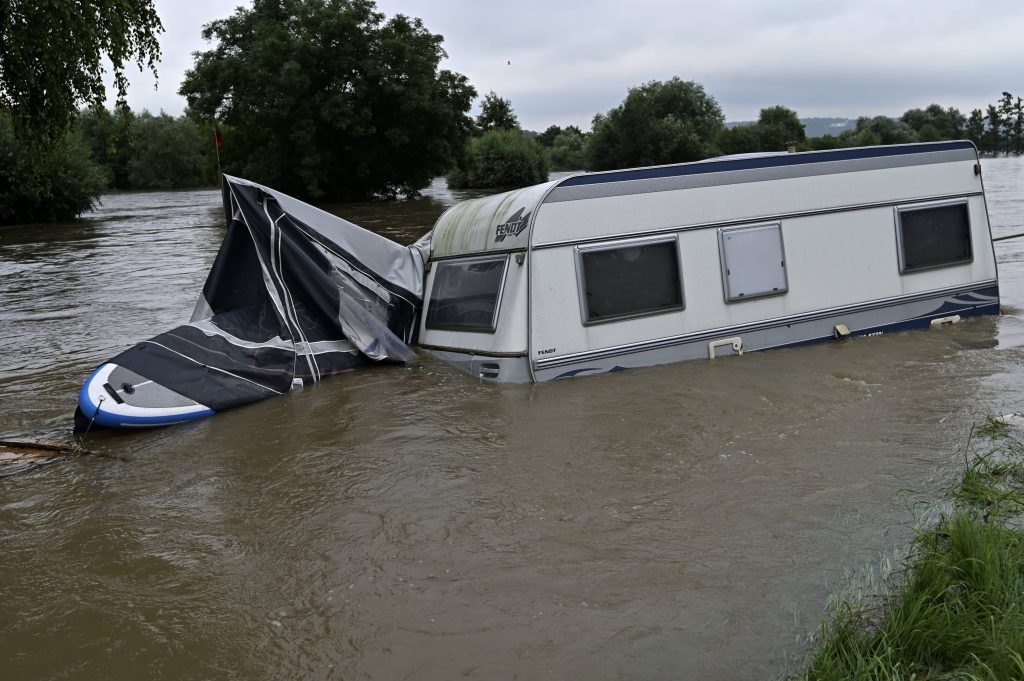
218	139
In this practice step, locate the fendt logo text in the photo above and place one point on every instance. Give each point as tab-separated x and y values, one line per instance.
514	226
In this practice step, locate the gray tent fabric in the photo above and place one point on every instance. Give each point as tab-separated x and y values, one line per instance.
397	264
293	293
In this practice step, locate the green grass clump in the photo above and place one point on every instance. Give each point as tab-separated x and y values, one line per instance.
958	614
993	484
993	427
958	611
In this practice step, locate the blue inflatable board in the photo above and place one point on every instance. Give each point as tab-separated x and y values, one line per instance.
115	397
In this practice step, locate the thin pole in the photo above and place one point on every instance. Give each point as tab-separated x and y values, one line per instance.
216	146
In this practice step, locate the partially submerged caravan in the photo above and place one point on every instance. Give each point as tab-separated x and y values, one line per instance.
630	268
592	273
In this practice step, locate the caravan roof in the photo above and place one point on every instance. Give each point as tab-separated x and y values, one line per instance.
508	221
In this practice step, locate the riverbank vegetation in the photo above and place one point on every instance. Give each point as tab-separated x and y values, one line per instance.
330	101
48	183
499	155
52	61
333	101
957	611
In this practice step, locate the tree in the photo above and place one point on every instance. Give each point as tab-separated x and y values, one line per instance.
496	114
1017	126
657	123
108	136
53	56
501	159
823	143
975	128
876	130
45	184
779	127
329	101
740	139
994	137
935	123
167	153
566	152
547	138
1006	112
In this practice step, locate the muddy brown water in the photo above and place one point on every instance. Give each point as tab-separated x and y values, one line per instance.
686	521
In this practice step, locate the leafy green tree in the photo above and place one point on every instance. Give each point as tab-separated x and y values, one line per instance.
45	184
53	57
935	123
1006	113
547	138
501	159
496	114
740	139
779	127
929	133
974	130
329	101
1017	126
994	136
566	152
108	137
823	143
167	153
876	130
658	122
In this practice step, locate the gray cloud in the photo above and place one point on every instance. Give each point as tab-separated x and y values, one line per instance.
570	60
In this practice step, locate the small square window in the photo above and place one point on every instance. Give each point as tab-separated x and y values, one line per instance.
934	236
629	280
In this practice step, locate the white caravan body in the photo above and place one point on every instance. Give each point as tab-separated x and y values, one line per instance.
606	271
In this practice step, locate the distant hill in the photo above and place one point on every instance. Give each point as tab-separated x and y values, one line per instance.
814	127
819	127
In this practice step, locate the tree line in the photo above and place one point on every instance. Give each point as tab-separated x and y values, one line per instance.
677	121
330	100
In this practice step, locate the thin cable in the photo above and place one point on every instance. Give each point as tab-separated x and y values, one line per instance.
81	441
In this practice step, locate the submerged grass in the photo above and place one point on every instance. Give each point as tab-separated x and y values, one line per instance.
957	611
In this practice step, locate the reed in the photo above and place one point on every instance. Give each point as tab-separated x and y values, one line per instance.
957	610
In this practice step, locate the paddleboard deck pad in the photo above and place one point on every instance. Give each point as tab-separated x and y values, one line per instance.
294	295
116	397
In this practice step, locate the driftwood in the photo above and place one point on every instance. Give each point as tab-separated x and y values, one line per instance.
19	455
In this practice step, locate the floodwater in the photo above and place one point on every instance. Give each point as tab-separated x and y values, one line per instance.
686	521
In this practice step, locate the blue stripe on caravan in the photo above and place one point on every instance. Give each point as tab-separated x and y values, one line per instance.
783	160
922	322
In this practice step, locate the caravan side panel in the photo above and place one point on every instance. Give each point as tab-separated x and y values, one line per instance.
842	264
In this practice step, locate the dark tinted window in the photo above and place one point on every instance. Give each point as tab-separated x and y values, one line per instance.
934	236
465	294
630	281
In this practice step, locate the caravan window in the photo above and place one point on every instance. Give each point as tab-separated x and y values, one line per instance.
466	294
629	280
933	236
753	262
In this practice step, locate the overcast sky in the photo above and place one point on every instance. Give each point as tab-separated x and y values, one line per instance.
562	62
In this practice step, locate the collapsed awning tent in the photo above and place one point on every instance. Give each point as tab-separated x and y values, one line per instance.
294	293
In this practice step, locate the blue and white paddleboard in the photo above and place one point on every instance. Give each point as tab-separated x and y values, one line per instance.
118	398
